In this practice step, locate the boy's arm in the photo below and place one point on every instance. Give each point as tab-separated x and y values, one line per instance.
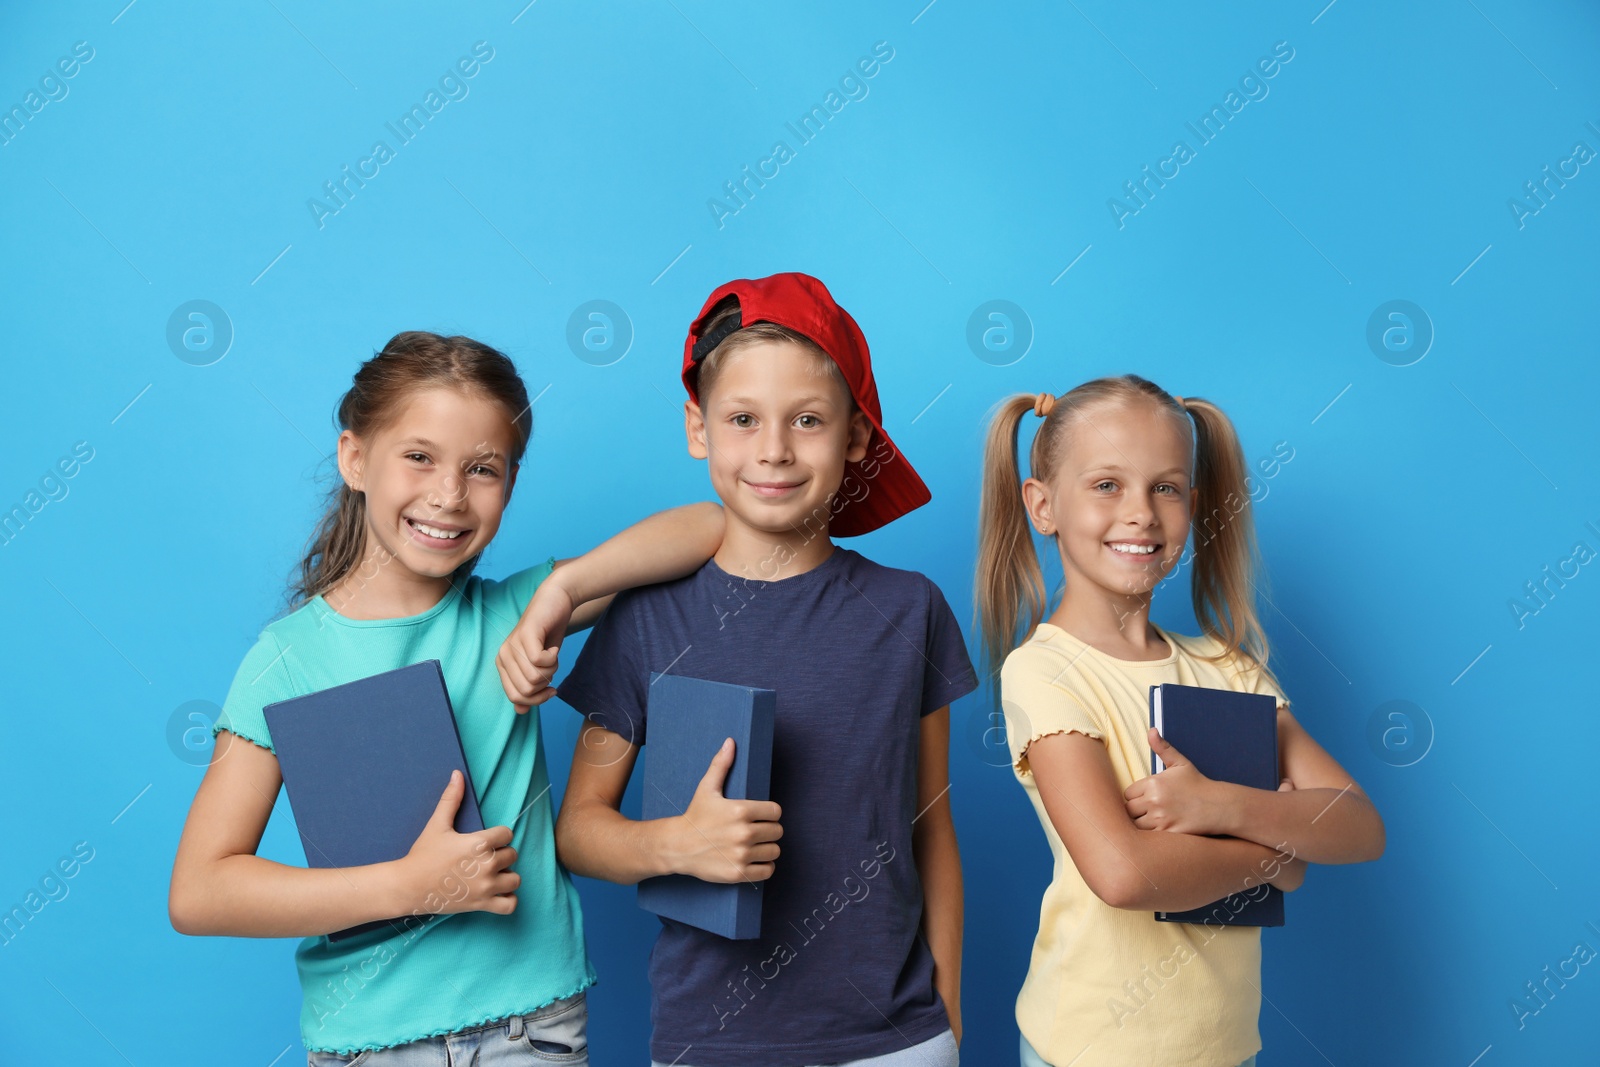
939	862
667	545
715	840
1324	818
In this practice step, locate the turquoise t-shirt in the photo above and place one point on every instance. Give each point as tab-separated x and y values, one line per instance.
453	971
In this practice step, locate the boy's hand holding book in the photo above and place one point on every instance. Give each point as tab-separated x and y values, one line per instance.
722	840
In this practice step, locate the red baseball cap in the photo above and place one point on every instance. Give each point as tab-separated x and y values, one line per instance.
803	304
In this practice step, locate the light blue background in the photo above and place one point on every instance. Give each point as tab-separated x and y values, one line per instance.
1419	501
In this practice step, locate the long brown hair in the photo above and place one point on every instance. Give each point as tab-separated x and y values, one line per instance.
411	361
1010	594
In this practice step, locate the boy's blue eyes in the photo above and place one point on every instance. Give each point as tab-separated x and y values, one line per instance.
743	420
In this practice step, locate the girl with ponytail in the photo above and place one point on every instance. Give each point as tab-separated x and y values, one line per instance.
485	960
1121	476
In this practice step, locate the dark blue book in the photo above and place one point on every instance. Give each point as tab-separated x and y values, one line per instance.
364	764
689	718
1229	737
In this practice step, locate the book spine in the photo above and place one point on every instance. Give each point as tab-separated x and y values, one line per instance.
468	815
746	899
1155	721
763	714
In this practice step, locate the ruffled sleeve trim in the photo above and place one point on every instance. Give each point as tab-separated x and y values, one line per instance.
1020	764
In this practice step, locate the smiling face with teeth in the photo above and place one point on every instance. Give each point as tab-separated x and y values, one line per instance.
436	480
1118	502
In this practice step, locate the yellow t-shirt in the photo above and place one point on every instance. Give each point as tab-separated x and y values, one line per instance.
1107	986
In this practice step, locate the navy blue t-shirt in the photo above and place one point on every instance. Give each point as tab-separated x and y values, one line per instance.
857	653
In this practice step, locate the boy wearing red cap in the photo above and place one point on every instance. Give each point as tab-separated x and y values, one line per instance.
859	957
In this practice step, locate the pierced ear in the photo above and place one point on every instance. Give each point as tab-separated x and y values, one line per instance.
860	433
1036	500
694	430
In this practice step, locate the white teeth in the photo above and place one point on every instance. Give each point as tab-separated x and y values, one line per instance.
434	531
1132	550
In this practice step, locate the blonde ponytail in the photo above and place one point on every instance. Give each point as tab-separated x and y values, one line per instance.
1226	558
1009	584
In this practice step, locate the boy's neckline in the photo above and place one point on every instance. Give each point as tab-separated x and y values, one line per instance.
832	561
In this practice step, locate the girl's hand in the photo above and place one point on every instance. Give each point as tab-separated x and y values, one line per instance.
1179	799
446	872
528	658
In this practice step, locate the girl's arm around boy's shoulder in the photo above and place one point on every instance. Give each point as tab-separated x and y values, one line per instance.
667	545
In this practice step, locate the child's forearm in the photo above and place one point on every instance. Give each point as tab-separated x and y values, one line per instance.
247	896
1317	825
667	545
1179	872
716	839
597	841
939	865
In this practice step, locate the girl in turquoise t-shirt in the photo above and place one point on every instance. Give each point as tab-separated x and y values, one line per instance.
491	965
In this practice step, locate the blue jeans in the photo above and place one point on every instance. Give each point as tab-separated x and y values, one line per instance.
938	1051
556	1033
1030	1058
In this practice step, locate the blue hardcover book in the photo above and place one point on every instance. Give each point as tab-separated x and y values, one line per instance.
1229	737
364	764
689	718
